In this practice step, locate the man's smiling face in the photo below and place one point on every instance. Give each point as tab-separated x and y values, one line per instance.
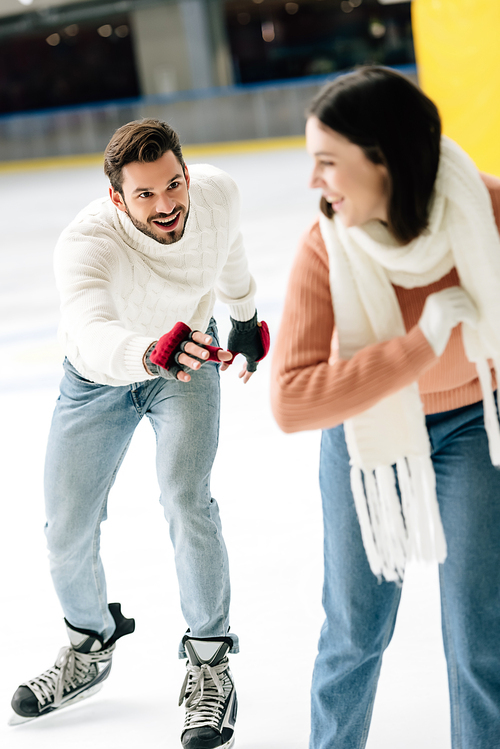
155	197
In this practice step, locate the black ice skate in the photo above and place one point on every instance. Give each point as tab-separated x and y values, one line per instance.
208	689
78	673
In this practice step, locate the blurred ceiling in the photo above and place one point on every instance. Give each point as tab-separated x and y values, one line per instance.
19	19
13	7
63	9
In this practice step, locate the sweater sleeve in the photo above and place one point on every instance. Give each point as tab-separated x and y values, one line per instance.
235	286
86	269
311	387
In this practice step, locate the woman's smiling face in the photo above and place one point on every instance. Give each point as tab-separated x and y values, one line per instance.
356	188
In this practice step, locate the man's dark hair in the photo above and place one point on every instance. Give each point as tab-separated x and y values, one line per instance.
142	140
395	124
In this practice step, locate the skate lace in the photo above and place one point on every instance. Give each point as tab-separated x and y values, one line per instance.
68	672
206	689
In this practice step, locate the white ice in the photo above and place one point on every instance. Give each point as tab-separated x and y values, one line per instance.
264	481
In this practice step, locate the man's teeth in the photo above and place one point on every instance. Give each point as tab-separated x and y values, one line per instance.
166	222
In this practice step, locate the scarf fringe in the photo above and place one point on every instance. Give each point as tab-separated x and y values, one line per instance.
395	525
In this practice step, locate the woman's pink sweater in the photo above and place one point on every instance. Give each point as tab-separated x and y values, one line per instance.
313	389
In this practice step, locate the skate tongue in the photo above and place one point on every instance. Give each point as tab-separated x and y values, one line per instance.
84	642
206	651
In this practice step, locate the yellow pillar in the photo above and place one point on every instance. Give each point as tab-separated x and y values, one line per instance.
457	45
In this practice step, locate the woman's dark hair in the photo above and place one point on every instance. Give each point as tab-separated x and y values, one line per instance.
142	140
396	125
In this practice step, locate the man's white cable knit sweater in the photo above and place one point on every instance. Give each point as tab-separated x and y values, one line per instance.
121	290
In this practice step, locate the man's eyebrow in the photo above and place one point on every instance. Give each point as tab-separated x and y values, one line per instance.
150	189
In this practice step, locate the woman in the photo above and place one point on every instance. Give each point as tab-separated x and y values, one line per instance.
390	327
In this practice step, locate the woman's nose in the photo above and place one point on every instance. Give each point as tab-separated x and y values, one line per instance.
314	179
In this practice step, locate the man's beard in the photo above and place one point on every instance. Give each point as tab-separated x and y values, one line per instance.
168	238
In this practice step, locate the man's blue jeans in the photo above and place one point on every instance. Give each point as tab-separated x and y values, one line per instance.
361	613
91	430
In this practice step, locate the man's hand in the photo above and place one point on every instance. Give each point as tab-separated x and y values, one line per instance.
191	354
250	338
244	374
180	350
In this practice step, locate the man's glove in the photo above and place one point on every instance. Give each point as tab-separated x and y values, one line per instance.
250	338
162	357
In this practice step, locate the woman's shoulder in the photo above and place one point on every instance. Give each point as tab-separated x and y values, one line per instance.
312	243
493	185
491	182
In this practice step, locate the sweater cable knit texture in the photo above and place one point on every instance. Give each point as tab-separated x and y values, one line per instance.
121	290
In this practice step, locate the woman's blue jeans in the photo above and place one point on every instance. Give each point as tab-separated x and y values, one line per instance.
91	430
361	613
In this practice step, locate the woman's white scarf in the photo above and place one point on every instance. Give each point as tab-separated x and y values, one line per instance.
390	441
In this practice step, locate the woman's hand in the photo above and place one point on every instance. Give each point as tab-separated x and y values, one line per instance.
442	312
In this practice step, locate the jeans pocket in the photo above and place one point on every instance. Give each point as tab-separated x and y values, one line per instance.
213	331
72	372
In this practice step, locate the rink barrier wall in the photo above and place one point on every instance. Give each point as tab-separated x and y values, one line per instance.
216	116
190	153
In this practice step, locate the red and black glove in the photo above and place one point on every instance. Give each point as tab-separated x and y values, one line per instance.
250	338
162	357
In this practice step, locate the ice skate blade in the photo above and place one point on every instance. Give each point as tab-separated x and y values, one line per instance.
16	720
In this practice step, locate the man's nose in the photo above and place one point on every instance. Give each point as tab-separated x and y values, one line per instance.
165	204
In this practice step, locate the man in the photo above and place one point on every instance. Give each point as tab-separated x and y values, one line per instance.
138	275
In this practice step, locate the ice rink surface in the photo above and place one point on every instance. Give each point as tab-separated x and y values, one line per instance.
266	486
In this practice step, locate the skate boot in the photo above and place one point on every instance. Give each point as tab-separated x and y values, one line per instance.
208	689
79	672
